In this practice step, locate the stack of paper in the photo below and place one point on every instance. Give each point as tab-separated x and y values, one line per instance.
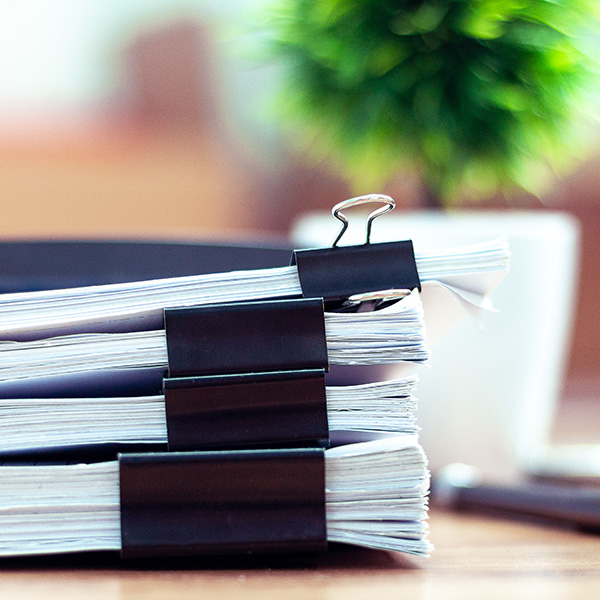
74	340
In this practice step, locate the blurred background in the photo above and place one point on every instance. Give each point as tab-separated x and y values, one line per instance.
149	119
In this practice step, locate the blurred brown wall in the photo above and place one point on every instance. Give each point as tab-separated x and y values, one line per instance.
156	161
579	195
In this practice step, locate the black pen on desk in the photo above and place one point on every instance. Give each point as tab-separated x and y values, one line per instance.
459	487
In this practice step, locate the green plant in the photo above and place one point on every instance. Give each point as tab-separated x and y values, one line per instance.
476	95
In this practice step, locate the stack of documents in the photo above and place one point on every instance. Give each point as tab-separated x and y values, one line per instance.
239	433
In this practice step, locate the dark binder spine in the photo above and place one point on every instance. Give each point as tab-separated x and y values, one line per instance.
246	337
222	503
339	272
278	409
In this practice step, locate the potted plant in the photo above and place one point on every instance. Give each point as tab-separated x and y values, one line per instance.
476	96
479	98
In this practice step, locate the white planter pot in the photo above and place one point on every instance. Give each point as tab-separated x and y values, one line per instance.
489	396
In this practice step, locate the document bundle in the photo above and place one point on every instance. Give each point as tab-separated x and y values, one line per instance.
241	446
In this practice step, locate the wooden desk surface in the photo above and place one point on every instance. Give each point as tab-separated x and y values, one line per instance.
475	557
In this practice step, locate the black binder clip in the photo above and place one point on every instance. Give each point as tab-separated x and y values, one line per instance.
246	337
348	275
222	503
279	409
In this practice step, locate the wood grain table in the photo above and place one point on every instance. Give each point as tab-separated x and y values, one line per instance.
475	557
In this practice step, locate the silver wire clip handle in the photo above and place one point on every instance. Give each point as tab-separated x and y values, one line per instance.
388	205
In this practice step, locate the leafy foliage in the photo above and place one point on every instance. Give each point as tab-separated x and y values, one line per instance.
477	95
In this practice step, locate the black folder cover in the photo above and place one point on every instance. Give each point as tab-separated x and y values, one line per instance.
51	264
